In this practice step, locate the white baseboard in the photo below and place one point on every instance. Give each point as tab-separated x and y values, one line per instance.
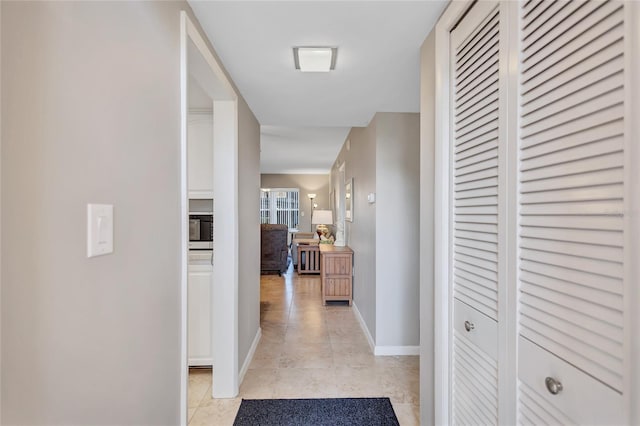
396	350
383	350
249	358
365	329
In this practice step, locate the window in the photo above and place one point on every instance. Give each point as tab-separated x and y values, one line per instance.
280	205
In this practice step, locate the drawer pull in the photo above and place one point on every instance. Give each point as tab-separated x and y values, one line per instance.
469	326
553	386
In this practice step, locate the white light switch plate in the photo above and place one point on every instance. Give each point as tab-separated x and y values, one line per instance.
99	229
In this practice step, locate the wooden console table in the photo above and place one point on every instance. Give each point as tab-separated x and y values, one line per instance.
308	256
336	273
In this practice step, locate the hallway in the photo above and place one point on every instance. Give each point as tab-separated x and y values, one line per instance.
309	350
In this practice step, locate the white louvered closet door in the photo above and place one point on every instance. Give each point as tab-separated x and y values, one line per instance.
571	204
475	198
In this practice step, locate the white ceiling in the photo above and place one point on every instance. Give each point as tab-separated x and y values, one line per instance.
300	150
377	67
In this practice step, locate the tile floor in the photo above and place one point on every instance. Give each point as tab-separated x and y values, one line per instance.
309	350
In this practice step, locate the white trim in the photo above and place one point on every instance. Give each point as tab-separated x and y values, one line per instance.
184	220
365	329
224	297
200	195
224	294
250	355
0	217
509	260
200	362
396	350
203	48
631	390
383	350
442	299
207	112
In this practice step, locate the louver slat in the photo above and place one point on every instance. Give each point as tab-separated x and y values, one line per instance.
571	198
549	15
475	385
476	162
537	410
475	198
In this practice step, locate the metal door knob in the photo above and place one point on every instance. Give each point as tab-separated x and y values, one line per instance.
469	326
553	386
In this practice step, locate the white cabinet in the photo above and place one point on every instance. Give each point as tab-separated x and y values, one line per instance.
200	154
571	208
476	199
539	212
199	314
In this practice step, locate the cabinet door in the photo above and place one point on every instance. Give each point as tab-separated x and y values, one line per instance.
337	265
475	66
200	155
199	316
572	211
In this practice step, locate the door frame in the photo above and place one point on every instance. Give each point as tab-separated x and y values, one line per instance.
224	294
442	236
442	291
632	206
443	233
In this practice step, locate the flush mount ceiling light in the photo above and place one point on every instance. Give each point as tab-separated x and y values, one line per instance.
315	59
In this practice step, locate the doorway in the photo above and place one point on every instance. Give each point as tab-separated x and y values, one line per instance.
198	67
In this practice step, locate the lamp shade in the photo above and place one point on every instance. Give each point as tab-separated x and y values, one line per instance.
322	217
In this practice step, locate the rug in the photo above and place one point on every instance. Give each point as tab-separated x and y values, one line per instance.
304	412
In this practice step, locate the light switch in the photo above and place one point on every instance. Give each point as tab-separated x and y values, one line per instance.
99	229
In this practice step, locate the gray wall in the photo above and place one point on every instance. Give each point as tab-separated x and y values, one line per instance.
87	96
427	165
314	184
90	113
384	159
397	224
248	229
360	163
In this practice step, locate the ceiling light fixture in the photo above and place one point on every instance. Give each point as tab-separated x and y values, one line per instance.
315	59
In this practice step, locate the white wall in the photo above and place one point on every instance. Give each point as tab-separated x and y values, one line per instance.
427	165
90	113
397	228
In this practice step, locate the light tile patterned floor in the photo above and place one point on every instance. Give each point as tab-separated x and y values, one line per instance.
309	350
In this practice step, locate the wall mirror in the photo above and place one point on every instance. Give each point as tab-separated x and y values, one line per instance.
348	200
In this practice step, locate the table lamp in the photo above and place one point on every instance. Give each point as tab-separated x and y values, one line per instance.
322	218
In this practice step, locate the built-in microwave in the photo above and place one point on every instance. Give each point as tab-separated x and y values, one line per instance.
200	231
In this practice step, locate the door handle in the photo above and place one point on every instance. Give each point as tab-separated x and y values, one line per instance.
553	386
469	326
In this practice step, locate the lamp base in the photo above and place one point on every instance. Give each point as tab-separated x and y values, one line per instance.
322	230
